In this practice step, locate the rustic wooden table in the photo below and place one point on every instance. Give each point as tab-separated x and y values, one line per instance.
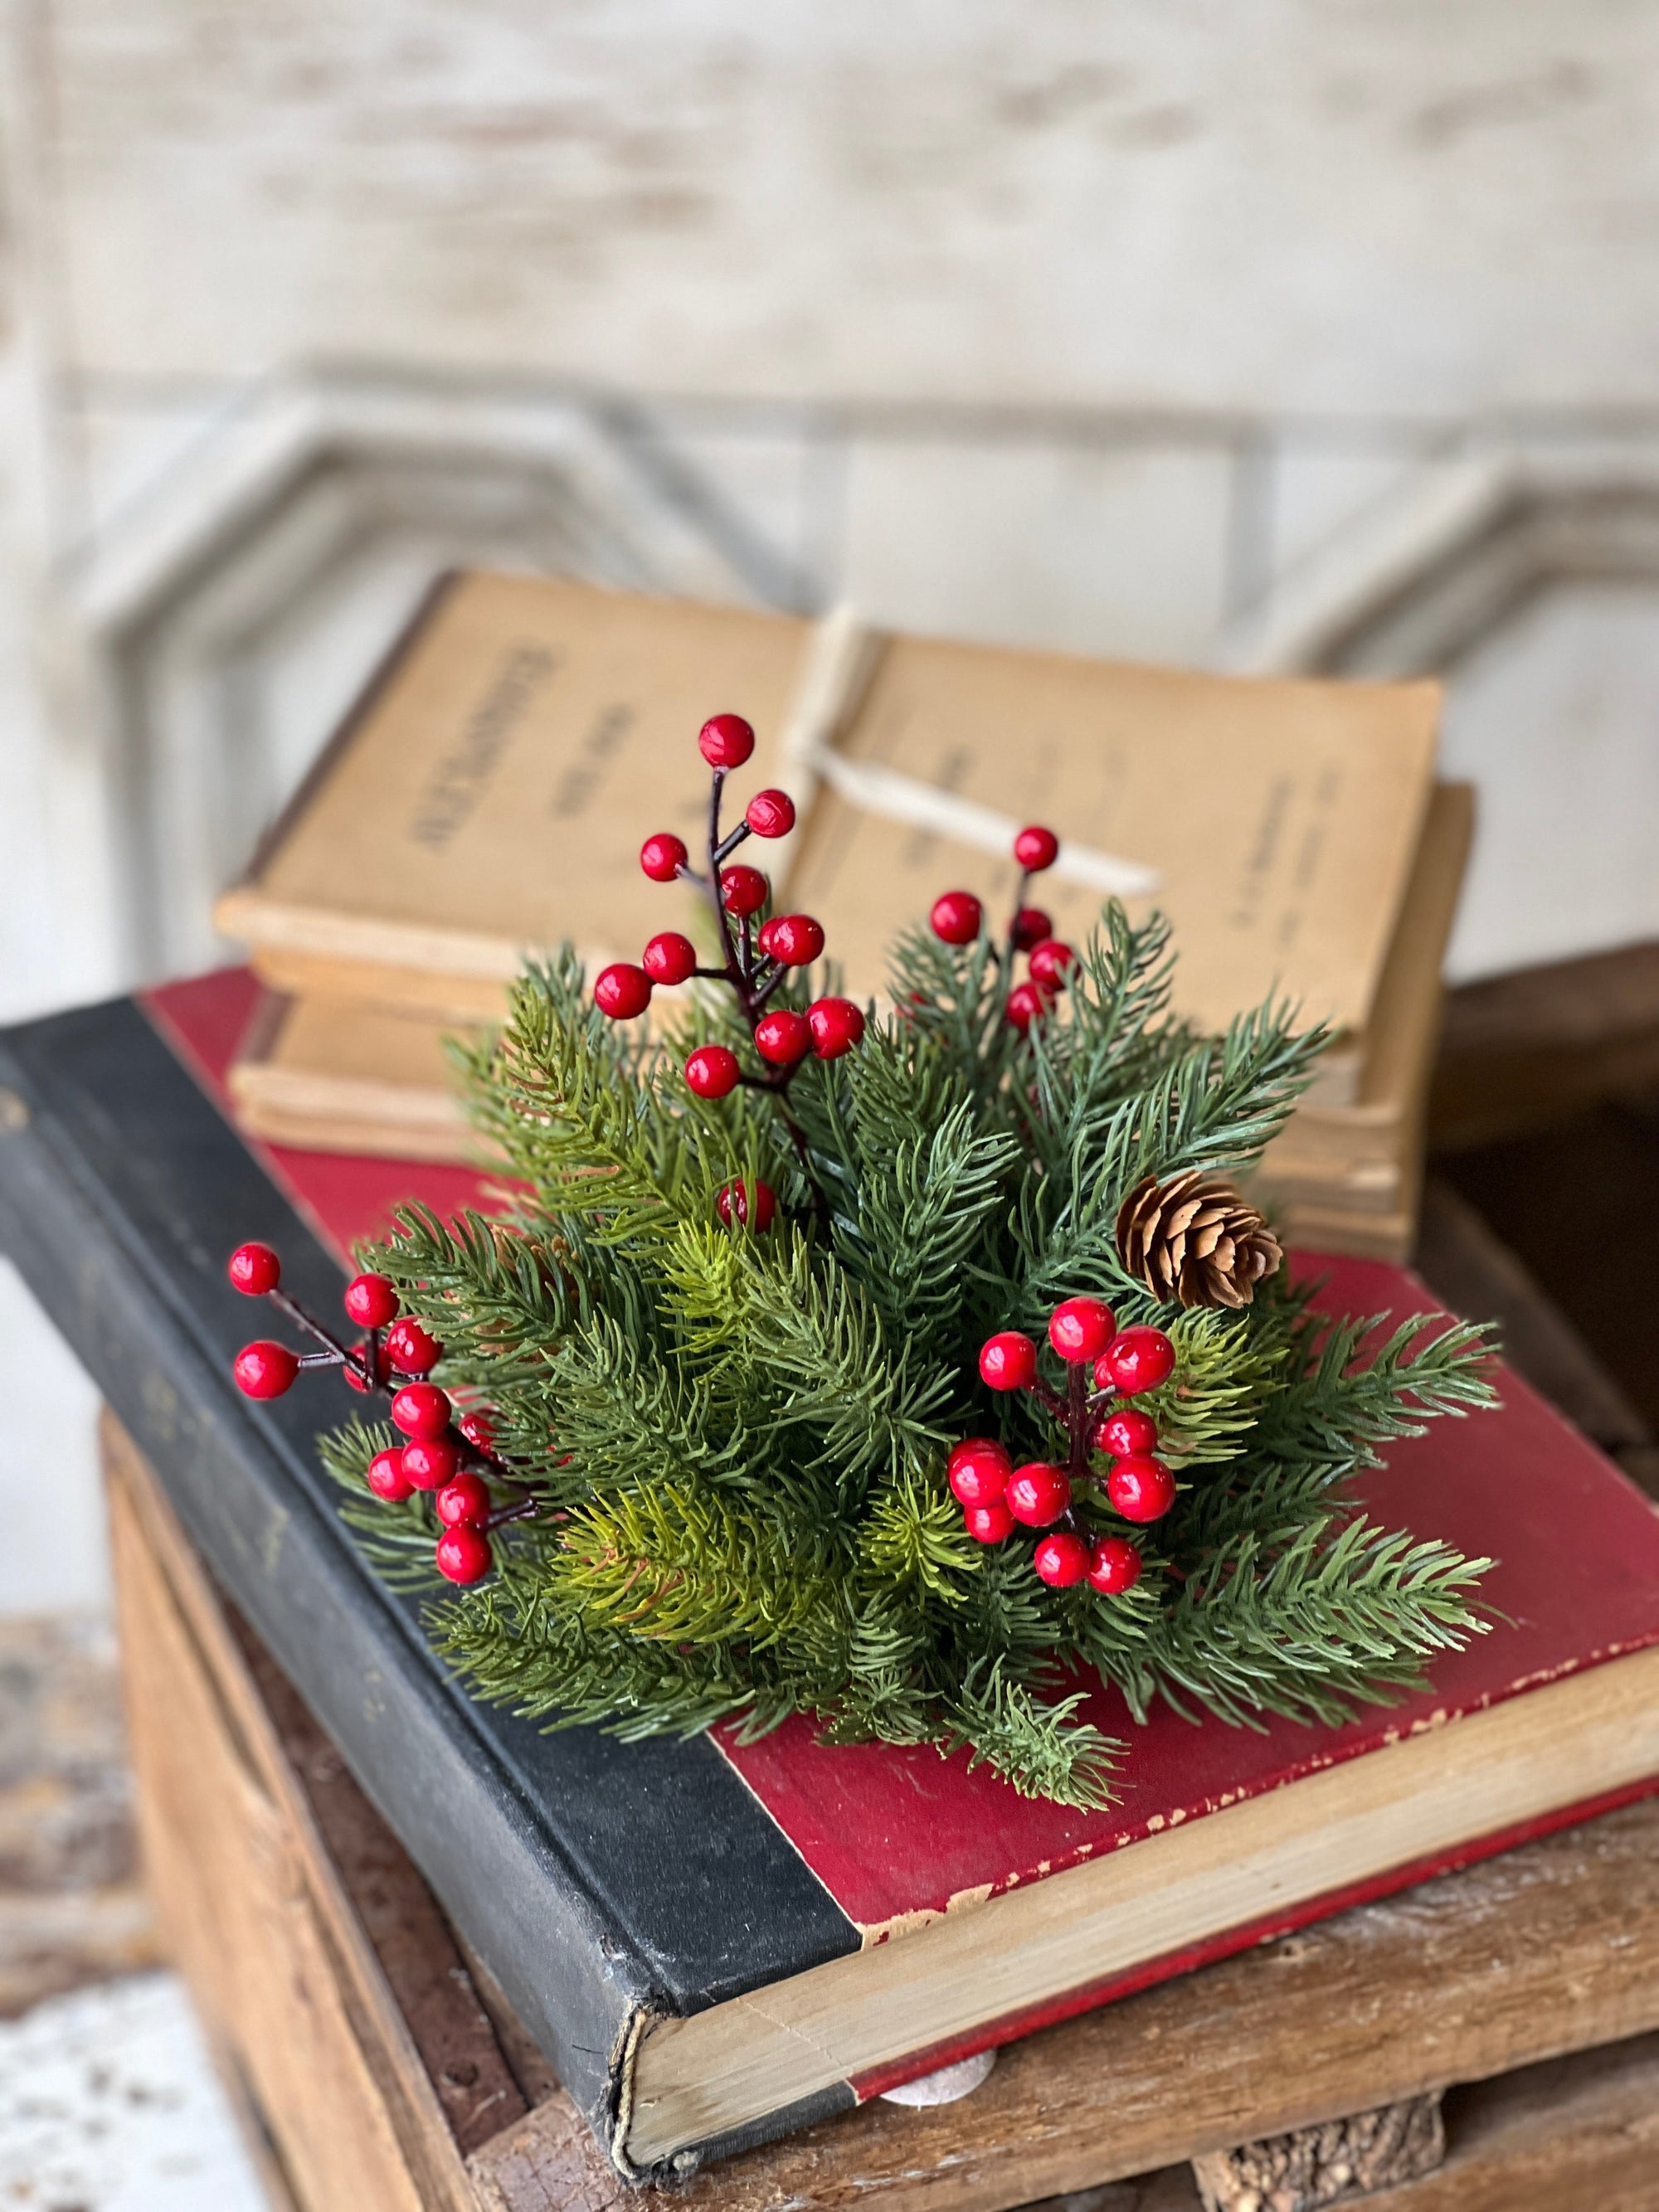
375	2068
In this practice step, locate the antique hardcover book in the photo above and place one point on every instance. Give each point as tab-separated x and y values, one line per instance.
718	1943
483	800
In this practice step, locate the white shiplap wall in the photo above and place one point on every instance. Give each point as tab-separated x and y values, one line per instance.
1340	206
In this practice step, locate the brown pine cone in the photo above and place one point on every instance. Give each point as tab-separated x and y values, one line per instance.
1195	1239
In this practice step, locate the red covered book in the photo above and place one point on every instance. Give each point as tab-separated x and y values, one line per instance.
753	1935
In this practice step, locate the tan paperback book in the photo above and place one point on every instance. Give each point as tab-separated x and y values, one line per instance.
1369	1147
488	797
322	1074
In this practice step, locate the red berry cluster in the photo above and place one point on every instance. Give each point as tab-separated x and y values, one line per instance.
995	1494
957	918
443	1451
760	950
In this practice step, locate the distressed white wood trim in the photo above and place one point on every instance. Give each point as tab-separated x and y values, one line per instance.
1328	595
254	453
168	612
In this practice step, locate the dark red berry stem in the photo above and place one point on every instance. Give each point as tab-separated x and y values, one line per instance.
1077	1423
1011	941
339	1356
526	1508
1050	1398
751	988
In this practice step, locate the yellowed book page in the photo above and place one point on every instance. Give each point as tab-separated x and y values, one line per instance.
1408	1004
358	1129
1282	816
1354	1234
1400	1041
493	793
345	1078
433	997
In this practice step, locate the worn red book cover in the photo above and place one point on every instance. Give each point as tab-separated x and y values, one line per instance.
898	1837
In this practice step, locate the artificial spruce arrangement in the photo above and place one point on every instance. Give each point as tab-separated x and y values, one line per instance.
908	1373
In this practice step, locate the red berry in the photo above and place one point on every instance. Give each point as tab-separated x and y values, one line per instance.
265	1369
1038	1493
663	855
1031	926
795	939
464	1553
770	814
669	958
836	1024
477	1428
386	1479
1049	962
750	1204
956	917
1136	1359
254	1269
978	1471
988	1523
411	1349
744	890
725	741
422	1409
1114	1565
1007	1361
1061	1559
1036	848
429	1461
1025	1002
1081	1328
713	1071
464	1499
621	990
1126	1432
782	1037
371	1301
1142	1489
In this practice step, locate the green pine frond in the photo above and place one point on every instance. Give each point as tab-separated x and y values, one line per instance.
1311	1631
1043	1751
735	1440
915	1541
687	1566
1228	1370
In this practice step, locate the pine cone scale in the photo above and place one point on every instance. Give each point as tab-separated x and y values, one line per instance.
1195	1240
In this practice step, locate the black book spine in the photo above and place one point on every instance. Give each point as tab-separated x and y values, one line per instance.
354	1658
602	1883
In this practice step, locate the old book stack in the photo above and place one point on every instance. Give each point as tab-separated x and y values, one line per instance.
484	801
717	1942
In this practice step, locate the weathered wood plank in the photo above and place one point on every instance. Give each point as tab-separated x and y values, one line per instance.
1579	2134
1520	1051
1464	1262
1546	1949
254	1911
431	1986
859	200
1543	1951
72	1908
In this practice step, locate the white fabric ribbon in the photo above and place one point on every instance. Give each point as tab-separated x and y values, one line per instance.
842	660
